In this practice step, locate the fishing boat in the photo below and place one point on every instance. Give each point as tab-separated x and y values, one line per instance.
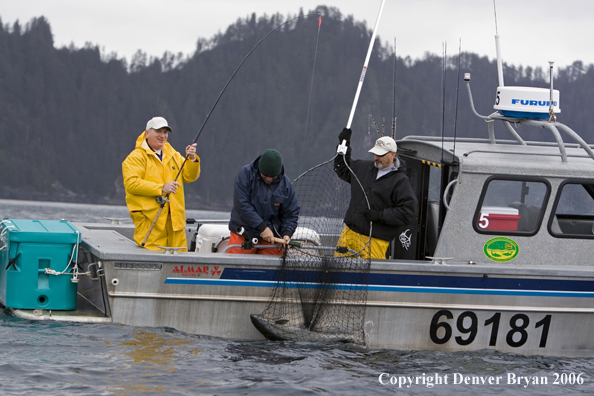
499	257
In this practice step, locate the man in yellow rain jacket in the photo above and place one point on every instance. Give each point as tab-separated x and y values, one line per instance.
149	173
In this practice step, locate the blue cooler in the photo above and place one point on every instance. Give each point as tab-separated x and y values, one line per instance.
27	248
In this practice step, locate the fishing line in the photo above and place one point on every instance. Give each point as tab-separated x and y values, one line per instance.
310	90
320	311
360	186
233	75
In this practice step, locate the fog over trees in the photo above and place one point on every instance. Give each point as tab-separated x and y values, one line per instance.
69	116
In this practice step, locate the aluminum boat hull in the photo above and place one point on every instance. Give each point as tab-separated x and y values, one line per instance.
411	305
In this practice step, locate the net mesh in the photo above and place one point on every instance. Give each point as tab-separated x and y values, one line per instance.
320	294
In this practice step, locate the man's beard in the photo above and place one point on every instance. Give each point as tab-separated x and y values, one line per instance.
378	165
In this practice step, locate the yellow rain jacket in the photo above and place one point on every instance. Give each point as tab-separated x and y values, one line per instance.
144	176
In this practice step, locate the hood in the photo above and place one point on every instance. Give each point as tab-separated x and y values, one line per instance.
141	143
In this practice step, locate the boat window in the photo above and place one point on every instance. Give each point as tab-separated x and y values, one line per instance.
434	184
573	211
511	206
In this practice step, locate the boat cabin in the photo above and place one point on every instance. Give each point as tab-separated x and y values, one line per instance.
493	201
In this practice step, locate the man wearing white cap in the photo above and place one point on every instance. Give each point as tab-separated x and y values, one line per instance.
392	200
150	172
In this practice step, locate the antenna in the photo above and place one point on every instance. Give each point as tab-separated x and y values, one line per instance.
499	62
443	88
457	89
552	117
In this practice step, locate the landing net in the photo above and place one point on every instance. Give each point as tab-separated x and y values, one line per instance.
320	294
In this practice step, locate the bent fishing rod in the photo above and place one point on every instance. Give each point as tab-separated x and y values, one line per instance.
162	200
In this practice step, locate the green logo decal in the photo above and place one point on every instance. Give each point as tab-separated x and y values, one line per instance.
501	249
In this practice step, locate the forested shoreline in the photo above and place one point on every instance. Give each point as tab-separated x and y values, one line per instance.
69	116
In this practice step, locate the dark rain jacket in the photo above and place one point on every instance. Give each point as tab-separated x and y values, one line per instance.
392	195
257	205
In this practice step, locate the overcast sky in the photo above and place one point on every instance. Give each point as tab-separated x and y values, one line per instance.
532	31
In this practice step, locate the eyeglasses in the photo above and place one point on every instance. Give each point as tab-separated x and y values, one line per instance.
269	177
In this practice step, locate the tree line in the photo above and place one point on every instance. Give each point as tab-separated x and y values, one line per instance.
69	116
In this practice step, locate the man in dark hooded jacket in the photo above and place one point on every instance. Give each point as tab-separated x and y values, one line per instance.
385	202
265	205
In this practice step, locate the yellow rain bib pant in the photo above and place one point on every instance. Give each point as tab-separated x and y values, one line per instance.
348	238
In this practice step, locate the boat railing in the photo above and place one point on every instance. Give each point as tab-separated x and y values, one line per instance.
552	125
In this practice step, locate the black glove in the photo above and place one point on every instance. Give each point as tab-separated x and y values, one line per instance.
372	215
345	135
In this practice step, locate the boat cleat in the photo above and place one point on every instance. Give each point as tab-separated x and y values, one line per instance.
171	250
440	260
116	220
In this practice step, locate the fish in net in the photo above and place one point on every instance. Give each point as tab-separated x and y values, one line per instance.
321	286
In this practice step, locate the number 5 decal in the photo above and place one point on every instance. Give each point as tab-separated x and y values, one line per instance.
484	220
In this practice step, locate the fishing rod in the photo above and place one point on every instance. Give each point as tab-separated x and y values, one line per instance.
163	200
365	66
394	94
375	125
443	89
342	148
457	89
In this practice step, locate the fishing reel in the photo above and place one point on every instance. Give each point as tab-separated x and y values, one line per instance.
161	200
249	241
342	148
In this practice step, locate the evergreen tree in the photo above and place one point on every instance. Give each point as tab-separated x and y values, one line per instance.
69	116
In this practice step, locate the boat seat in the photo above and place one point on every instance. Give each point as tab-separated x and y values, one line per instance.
212	238
528	216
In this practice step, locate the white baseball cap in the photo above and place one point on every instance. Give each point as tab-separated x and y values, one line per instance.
384	145
157	123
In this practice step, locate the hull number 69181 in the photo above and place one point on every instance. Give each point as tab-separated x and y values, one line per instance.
467	325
